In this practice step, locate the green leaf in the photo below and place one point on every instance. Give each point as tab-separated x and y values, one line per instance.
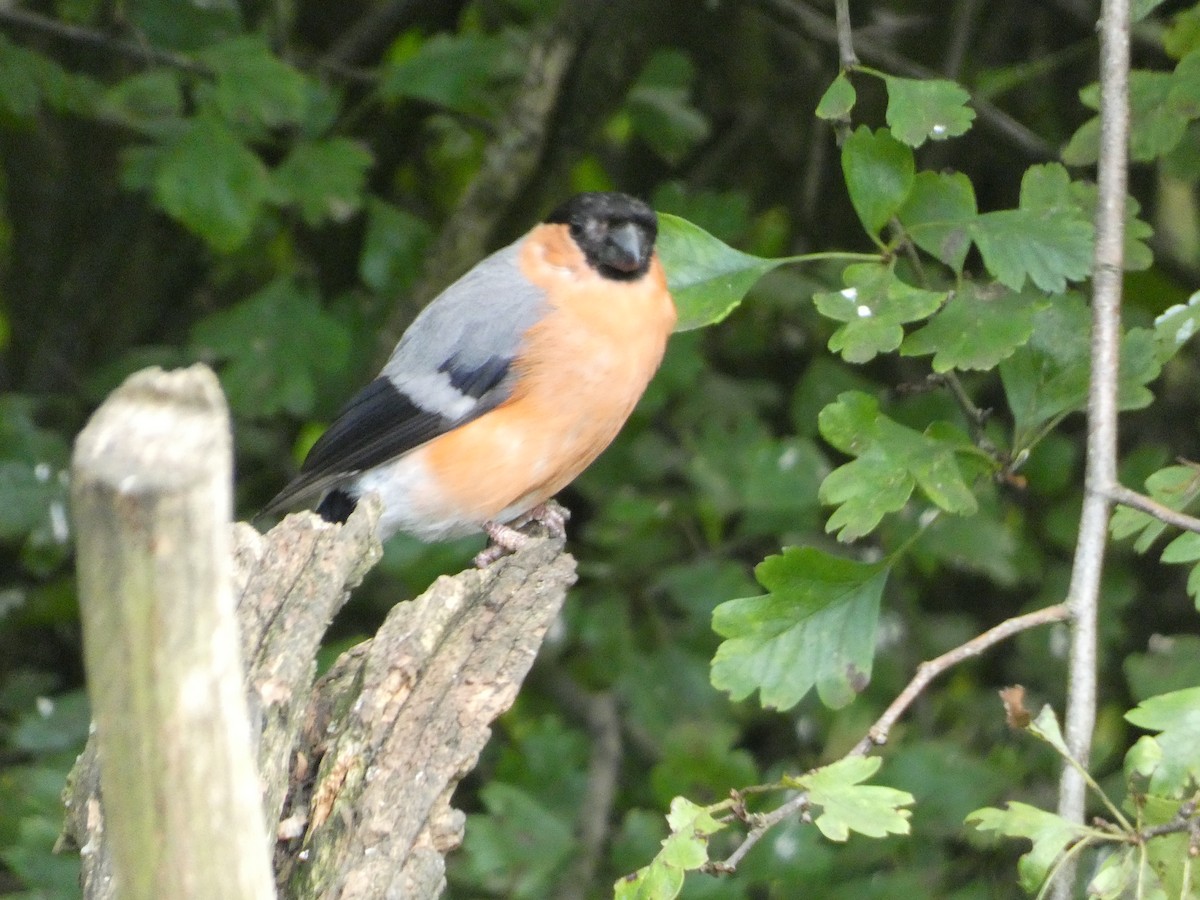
1176	487
1045	726
1048	377
920	109
660	106
393	249
1186	549
1117	877
212	184
686	849
253	86
1171	663
1139	9
146	97
27	493
519	847
938	215
324	178
275	344
848	805
815	626
1176	718
1047	239
838	99
21	95
874	304
892	460
707	277
978	327
880	174
1050	835
1175	326
1158	121
1184	96
1138	256
455	71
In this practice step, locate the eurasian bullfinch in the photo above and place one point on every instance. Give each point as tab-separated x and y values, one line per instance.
507	385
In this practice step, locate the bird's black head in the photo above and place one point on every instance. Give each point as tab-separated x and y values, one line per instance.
616	232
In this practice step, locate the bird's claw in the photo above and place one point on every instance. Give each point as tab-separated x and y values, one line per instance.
505	539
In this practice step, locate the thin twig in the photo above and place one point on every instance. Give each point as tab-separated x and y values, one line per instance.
1118	493
992	117
846	55
1101	474
878	733
595	812
78	34
762	824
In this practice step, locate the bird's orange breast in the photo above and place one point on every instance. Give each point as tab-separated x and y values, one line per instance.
580	372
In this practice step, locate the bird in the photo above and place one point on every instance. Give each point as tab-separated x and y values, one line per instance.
506	386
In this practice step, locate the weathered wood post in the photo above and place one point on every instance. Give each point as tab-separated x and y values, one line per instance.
355	770
151	502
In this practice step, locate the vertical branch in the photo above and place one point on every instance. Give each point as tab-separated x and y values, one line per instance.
1083	594
847	58
151	491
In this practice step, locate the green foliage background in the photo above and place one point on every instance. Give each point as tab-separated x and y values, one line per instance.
275	189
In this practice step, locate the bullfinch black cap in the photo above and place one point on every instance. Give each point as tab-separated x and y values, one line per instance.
616	232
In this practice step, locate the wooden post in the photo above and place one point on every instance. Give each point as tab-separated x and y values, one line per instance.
151	502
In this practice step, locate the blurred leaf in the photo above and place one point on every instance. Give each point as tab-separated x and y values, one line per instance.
28	79
723	214
874	304
1045	726
926	108
455	71
660	107
393	249
275	344
891	460
18	73
1137	254
686	849
1139	9
253	86
1117	877
1050	835
1176	718
816	626
938	213
1048	377
978	327
518	849
212	184
56	724
1176	487
880	174
848	805
27	492
838	99
185	26
1175	326
1171	663
1158	117
324	178
146	97
707	277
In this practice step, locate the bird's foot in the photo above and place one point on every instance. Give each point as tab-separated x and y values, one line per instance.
554	516
505	539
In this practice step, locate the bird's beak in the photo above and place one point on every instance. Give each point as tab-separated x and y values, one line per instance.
629	248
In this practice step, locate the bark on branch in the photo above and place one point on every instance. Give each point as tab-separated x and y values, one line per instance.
357	768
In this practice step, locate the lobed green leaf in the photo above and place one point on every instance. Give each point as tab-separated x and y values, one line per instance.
814	627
